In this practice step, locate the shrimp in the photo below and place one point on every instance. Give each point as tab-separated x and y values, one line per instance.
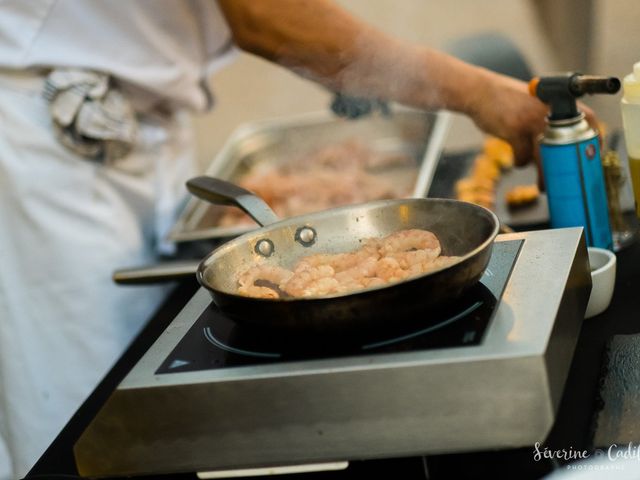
389	270
371	247
258	292
340	262
308	280
269	274
407	260
358	273
320	287
408	240
373	282
438	263
378	261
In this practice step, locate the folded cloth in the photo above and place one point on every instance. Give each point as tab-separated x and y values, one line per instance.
618	421
90	115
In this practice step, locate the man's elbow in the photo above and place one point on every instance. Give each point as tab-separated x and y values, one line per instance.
249	24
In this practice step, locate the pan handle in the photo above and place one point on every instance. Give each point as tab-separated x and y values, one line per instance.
221	192
159	273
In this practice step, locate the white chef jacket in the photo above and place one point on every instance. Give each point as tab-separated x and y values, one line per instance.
68	222
165	48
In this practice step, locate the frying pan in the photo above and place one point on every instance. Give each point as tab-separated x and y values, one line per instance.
464	230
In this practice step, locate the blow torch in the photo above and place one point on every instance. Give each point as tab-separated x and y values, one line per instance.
570	155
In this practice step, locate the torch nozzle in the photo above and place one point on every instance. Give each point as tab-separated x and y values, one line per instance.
560	92
590	84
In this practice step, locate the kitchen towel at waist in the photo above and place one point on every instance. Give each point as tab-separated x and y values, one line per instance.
116	134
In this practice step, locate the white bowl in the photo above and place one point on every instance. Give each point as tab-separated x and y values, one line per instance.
603	278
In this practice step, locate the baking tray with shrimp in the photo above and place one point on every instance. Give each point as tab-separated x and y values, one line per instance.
306	163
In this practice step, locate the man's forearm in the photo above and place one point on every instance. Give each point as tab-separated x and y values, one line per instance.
322	41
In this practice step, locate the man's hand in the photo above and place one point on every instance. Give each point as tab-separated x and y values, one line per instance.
502	106
505	108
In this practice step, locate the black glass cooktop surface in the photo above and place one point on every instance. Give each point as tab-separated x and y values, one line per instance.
215	341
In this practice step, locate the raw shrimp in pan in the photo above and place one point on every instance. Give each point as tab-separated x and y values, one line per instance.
346	272
440	262
388	269
311	280
358	276
267	274
341	262
408	240
399	256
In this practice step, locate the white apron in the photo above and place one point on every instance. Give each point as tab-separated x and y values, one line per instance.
65	224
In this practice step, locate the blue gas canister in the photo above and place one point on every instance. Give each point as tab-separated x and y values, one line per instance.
570	156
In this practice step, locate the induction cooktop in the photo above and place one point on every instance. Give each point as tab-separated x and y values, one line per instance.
486	372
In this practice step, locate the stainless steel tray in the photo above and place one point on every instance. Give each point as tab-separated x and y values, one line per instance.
417	133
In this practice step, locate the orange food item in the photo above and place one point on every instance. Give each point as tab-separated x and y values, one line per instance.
480	186
521	195
485	168
473	185
499	151
476	190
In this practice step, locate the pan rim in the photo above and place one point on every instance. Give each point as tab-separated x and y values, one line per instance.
291	221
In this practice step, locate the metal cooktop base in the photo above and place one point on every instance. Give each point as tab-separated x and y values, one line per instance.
500	392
